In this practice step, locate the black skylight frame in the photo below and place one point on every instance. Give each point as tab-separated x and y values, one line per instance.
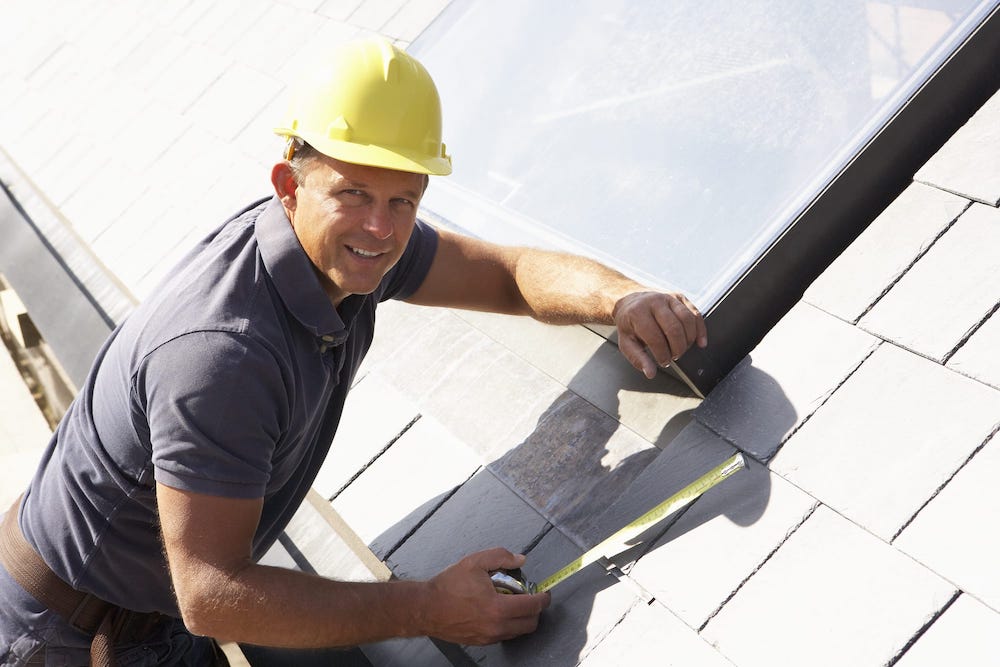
862	190
869	182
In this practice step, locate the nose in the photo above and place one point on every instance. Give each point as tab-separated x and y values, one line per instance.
379	222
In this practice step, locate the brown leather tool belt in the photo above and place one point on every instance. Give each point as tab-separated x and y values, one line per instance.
107	622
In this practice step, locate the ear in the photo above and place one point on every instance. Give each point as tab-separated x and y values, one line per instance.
285	186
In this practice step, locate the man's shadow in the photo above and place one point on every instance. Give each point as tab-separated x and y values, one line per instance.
579	476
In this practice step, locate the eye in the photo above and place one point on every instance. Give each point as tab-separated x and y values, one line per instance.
401	201
352	196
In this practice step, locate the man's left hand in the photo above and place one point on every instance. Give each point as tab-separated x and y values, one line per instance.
655	328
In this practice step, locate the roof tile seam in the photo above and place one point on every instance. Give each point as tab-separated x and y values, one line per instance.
661	530
969	376
537	539
447	496
583	658
939	489
794	529
970	333
924	628
378	454
939	362
912	263
722	437
966	195
829	395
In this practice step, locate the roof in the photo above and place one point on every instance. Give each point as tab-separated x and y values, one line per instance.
860	534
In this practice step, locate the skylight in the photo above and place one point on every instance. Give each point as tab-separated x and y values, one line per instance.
676	141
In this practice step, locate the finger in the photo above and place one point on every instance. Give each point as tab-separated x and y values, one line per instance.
517	627
701	332
518	606
633	350
676	332
520	623
680	311
660	331
496	558
690	316
650	336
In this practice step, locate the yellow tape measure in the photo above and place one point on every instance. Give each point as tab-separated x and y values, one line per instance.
617	542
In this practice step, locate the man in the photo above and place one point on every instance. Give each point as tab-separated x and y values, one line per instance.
210	409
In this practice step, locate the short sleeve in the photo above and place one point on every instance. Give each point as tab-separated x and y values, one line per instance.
215	406
409	272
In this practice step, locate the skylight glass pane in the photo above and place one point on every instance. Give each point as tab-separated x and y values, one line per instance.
674	140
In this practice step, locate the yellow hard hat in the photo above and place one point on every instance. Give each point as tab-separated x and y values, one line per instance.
370	104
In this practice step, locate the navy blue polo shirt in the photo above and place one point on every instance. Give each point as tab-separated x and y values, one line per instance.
229	380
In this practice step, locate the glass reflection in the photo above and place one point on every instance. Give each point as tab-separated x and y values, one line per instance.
674	140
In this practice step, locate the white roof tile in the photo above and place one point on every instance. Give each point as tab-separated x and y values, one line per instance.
965	634
891	435
980	356
969	164
948	292
832	595
884	251
956	535
800	362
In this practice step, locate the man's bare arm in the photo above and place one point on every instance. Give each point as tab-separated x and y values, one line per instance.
223	594
559	288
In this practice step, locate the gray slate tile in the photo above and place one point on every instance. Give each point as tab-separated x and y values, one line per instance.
422	468
374	414
948	292
883	252
978	358
593	368
897	430
955	535
964	635
405	652
396	324
695	451
480	391
969	164
575	462
482	514
558	351
655	409
833	594
584	610
651	635
788	375
720	541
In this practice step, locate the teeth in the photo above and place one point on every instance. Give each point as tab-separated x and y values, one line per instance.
364	253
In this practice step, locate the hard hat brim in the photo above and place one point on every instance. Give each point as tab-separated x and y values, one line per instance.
398	159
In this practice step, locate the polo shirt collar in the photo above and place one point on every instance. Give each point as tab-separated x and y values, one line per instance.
294	277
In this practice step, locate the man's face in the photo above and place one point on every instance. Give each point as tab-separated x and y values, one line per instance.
353	221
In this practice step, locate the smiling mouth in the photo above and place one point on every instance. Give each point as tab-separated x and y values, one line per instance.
363	253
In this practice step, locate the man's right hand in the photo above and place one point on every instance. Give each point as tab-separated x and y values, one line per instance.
462	605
